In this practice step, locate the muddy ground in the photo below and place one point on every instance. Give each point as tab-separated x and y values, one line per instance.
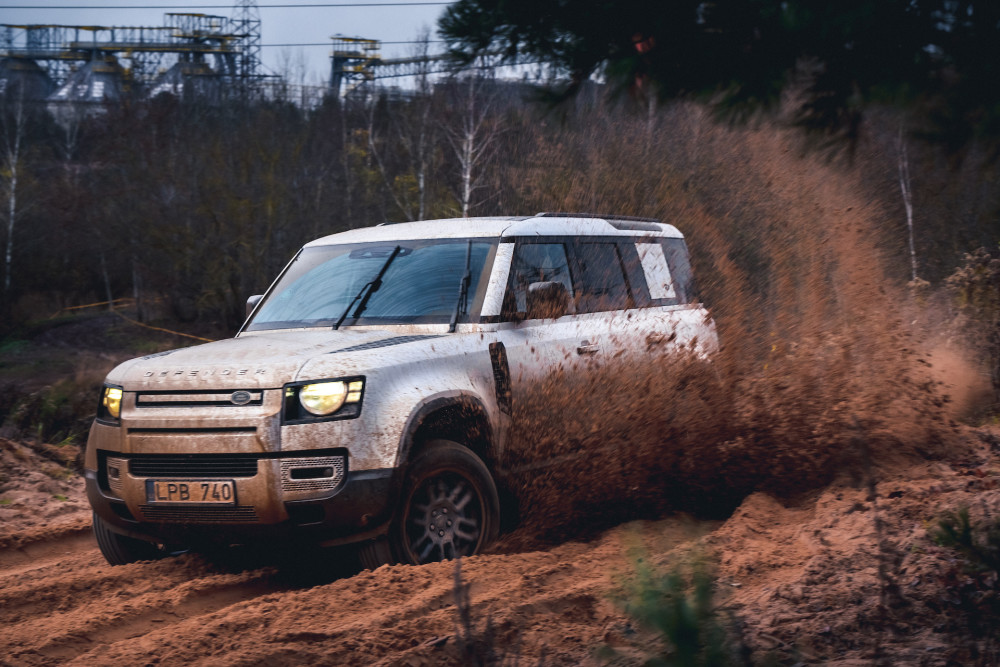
796	581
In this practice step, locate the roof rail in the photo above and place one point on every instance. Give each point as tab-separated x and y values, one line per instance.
630	218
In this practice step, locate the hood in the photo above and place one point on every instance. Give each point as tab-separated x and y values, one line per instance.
259	360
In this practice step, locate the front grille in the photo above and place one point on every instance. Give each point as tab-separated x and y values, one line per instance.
198	514
315	473
196	430
193	465
199	398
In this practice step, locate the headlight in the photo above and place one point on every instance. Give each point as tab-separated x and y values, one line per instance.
111	403
324	398
334	399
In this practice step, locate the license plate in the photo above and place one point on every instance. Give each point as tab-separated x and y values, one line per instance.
194	492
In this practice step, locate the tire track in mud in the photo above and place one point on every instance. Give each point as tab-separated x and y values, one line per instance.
37	555
406	615
60	601
78	645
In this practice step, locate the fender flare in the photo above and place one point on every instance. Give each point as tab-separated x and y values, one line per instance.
432	404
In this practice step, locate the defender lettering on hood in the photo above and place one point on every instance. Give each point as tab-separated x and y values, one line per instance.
205	372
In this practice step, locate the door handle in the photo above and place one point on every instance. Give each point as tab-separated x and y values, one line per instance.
586	347
655	339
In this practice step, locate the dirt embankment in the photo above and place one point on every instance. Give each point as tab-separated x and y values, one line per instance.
802	581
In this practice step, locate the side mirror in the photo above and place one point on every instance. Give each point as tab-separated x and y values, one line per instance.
252	303
546	300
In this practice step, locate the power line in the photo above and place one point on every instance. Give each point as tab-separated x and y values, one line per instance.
230	6
383	43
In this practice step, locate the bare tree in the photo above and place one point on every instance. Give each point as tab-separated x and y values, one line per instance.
905	186
399	199
291	86
412	129
473	137
14	119
417	135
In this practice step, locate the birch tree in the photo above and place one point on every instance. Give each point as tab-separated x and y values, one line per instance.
14	128
473	135
906	188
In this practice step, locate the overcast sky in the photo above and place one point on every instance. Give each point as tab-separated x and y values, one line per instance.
279	25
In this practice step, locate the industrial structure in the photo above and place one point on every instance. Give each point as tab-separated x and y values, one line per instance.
90	67
355	61
76	69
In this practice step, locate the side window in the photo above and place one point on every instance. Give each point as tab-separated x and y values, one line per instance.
601	283
667	270
659	282
535	263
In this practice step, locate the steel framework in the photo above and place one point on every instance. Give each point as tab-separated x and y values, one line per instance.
234	44
356	61
246	24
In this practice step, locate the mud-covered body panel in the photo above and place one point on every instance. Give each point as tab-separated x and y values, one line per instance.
400	375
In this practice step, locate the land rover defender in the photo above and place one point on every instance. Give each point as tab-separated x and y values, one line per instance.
367	399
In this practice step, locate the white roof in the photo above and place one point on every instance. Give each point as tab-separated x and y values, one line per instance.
501	227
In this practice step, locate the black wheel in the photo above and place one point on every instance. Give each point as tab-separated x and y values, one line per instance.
121	550
449	507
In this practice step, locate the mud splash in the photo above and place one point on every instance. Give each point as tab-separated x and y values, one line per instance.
821	347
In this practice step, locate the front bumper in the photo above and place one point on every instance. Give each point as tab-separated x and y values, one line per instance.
359	506
303	487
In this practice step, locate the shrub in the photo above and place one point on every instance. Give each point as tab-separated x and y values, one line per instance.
59	413
678	606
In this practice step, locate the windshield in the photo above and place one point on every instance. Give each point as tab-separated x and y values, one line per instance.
420	285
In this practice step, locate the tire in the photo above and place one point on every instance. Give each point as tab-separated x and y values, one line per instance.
118	549
449	506
376	553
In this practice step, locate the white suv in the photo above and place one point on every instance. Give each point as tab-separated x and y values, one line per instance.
368	397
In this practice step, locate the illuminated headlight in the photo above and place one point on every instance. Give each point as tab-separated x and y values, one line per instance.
323	398
334	399
110	408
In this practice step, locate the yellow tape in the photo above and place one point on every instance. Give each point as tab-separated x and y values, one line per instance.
99	303
117	303
149	326
122	301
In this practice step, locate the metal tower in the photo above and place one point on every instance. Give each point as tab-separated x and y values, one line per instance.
353	59
246	24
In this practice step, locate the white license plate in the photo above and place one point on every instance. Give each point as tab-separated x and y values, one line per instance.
187	491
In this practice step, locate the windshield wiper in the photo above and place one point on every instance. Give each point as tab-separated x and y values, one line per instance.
367	290
463	290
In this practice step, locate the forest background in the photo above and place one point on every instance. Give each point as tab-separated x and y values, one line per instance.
200	206
188	206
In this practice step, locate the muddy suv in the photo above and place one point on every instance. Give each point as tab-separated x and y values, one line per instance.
367	399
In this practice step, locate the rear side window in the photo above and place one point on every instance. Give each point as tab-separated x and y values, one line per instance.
535	263
600	280
667	270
